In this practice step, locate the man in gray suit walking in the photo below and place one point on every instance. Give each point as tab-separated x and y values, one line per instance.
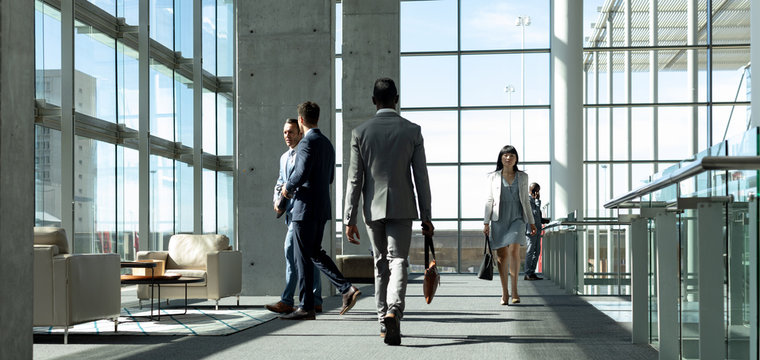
386	151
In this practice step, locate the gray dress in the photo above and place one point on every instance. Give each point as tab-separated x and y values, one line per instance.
510	228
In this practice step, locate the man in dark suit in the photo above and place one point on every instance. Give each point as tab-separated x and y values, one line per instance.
313	172
387	153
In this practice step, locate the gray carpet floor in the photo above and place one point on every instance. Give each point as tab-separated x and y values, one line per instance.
465	321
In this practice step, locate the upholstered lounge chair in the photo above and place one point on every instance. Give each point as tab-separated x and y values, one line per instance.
207	256
70	289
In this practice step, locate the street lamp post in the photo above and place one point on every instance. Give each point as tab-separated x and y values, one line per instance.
522	21
509	89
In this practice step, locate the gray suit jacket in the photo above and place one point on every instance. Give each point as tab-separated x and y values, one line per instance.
386	151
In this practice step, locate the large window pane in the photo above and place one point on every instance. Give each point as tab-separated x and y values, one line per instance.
439	129
162	22
161	202
95	75
129	10
428	25
47	177
537	139
208	35
47	52
443	182
484	133
497	80
492	24
474	190
128	206
209	122
162	102
184	110
224	125
209	201
183	197
128	89
94	196
675	120
225	205
428	81
225	37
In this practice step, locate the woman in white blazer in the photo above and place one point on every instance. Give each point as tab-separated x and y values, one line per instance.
507	211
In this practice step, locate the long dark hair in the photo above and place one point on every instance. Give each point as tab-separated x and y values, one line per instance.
507	149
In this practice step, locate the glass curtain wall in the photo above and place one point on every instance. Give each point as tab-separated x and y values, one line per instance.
105	164
660	85
475	77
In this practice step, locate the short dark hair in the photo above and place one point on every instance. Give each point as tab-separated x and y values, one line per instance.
507	149
534	187
309	111
385	91
293	121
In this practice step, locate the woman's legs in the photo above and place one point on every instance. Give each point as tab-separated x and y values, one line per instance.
501	261
513	252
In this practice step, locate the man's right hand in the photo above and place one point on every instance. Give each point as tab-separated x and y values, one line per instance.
351	231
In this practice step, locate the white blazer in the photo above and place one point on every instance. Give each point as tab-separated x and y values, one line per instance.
494	197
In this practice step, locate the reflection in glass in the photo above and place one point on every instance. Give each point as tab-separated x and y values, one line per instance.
224	125
94	194
47	52
95	73
162	102
208	35
209	122
225	31
47	177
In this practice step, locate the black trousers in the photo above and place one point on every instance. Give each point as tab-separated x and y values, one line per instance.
309	253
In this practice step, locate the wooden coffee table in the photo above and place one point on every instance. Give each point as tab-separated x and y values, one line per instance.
155	283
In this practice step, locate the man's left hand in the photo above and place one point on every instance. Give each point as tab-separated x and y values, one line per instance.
284	193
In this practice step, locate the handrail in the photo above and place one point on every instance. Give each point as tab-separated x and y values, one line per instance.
706	163
554	224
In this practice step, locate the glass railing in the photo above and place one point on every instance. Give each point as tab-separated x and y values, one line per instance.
734	191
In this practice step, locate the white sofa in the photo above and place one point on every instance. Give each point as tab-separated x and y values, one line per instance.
70	289
207	256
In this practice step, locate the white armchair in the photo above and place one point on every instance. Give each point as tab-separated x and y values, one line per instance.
209	257
70	289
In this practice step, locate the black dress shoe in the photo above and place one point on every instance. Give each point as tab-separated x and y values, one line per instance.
535	277
300	314
349	299
392	329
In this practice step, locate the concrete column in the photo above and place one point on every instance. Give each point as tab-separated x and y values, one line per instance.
285	56
371	46
567	107
16	176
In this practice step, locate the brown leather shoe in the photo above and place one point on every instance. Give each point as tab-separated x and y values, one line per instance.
349	299
280	308
317	308
392	329
300	314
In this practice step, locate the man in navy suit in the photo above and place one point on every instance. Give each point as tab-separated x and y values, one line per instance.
313	172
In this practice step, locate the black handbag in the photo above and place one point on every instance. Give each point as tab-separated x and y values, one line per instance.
486	266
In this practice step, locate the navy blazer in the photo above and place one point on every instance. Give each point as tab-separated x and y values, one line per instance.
313	172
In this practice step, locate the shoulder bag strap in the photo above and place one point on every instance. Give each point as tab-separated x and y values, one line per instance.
487	246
